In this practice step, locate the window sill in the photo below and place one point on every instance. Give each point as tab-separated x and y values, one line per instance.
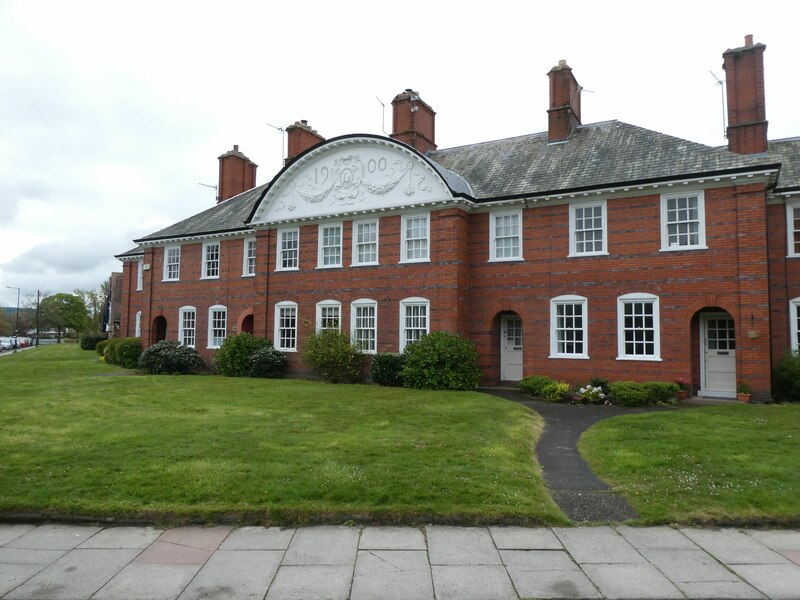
414	261
513	259
168	280
569	356
371	264
205	278
582	254
287	269
329	266
682	248
248	274
286	349
640	358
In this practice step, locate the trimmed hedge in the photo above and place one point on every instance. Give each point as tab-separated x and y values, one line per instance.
387	368
89	341
786	379
534	385
632	393
124	352
331	355
233	357
441	361
100	348
169	357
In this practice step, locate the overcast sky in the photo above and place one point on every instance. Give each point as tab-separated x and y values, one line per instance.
112	113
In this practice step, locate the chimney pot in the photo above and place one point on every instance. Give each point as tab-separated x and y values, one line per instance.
304	122
236	147
562	63
748	40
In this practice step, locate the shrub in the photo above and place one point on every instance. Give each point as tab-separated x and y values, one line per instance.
100	347
534	384
89	340
600	382
387	368
124	352
330	354
631	393
591	394
170	357
267	362
233	357
441	361
556	391
786	378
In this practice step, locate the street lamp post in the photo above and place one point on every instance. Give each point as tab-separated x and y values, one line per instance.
16	326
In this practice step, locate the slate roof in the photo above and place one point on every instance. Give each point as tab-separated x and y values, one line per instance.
598	155
787	152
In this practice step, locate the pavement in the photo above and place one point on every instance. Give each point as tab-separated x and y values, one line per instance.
74	562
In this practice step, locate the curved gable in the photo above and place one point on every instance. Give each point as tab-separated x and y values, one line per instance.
352	174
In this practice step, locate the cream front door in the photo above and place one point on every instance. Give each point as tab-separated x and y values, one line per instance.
719	355
510	348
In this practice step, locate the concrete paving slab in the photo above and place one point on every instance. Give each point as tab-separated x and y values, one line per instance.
75	576
473	582
634	581
552	584
729	590
24	556
166	553
235	575
539	560
779	582
14	575
597	545
525	538
10	532
655	537
311	582
688	565
148	582
733	547
792	555
123	537
392	538
392	575
325	545
206	538
258	538
461	546
785	539
54	537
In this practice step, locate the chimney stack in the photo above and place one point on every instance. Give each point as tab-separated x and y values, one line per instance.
413	121
747	116
301	138
564	113
237	173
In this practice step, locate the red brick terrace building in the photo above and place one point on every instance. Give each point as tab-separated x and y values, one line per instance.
599	249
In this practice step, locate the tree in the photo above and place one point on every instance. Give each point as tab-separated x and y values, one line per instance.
64	311
95	302
5	325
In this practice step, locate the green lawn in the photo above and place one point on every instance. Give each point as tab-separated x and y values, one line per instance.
83	438
737	464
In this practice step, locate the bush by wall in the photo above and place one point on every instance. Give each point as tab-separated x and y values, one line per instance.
557	391
89	340
169	357
786	379
267	362
330	354
387	367
124	352
233	357
441	361
632	393
100	347
533	385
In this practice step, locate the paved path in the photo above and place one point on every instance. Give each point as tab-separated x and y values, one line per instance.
584	497
70	562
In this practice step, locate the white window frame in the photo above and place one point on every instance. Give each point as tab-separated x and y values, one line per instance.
569	300
278	339
167	264
248	260
219	308
637	298
404	239
356	244
409	303
212	264
279	263
321	245
183	330
791	206
574	231
493	239
354	329
137	325
322	307
139	275
794	323
701	221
